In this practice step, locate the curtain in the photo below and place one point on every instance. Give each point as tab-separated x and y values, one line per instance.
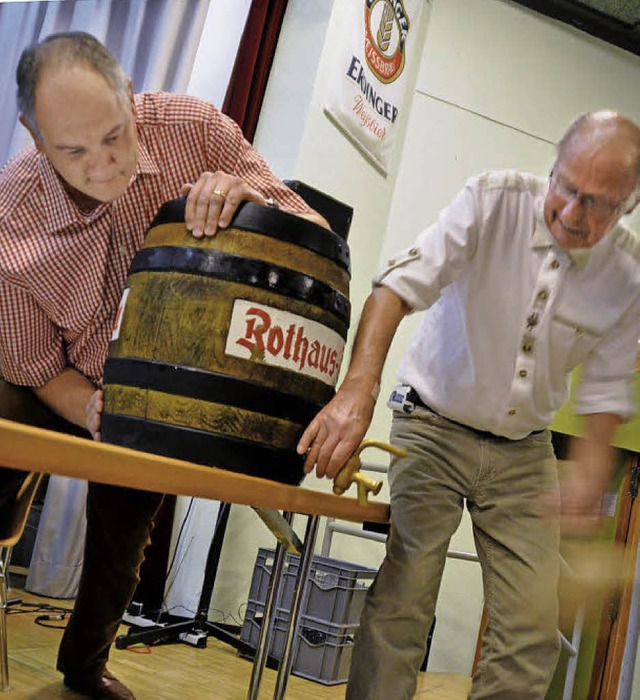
154	40
58	550
248	82
156	43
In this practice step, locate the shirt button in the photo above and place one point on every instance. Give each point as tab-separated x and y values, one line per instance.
512	411
522	373
123	250
392	261
527	348
542	295
555	264
413	251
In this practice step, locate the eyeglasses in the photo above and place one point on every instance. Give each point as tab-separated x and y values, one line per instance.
597	204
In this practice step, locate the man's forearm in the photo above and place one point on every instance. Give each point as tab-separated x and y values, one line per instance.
594	451
587	475
336	431
67	395
380	319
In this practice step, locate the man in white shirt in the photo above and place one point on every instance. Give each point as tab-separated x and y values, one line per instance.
521	280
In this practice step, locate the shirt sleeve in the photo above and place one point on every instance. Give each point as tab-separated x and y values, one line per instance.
418	274
607	381
31	349
228	150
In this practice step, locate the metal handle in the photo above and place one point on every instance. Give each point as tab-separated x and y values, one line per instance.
350	473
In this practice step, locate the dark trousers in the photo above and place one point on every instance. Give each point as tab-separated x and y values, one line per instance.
10	483
119	523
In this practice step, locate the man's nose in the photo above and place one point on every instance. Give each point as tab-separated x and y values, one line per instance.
573	209
100	160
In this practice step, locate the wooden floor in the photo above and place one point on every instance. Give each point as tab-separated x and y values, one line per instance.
171	672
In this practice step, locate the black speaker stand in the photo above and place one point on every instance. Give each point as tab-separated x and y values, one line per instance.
196	631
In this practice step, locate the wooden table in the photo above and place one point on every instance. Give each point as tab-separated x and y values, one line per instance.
36	449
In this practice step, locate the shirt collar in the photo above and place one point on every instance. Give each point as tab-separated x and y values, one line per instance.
146	164
543	238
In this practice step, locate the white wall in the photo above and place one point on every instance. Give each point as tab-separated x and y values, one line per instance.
288	94
497	86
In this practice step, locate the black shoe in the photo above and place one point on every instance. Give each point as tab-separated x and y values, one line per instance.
103	687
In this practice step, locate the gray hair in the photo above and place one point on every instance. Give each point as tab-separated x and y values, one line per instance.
70	48
606	119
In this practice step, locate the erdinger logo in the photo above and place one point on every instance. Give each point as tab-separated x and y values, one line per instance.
275	337
385	35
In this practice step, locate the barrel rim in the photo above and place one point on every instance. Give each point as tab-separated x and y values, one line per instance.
206	448
274	223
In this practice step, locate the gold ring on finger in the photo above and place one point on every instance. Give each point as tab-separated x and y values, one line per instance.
220	193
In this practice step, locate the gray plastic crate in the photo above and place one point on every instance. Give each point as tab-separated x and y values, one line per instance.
253	618
262	576
335	589
322	651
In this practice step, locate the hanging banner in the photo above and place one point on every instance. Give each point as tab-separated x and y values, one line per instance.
367	100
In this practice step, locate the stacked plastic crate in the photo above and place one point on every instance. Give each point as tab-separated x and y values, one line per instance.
329	615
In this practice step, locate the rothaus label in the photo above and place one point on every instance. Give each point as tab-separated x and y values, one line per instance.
276	337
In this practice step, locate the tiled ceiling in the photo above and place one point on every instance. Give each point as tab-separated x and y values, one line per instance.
615	21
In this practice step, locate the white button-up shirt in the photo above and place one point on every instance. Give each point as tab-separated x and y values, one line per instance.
509	315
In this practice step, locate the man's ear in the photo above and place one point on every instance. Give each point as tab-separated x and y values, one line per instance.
34	135
131	98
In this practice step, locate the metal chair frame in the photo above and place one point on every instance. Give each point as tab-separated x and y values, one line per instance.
11	529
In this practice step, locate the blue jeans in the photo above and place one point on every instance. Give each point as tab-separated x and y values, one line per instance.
500	480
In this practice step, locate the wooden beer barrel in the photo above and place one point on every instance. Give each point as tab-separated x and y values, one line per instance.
226	347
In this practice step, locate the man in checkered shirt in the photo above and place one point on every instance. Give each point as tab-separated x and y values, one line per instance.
74	209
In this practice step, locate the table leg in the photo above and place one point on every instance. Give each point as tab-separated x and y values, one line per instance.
262	650
306	557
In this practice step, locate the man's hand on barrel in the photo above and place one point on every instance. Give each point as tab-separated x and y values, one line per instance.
335	433
73	396
93	414
213	199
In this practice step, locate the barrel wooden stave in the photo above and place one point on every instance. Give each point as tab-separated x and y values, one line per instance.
169	317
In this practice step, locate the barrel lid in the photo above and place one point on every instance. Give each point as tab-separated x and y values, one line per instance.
275	223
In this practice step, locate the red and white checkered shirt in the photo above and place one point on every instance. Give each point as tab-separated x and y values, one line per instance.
62	273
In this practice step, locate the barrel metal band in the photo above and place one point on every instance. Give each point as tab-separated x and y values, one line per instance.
209	386
248	271
200	447
274	223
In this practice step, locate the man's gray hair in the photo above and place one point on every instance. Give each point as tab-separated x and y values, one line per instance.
608	118
70	48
